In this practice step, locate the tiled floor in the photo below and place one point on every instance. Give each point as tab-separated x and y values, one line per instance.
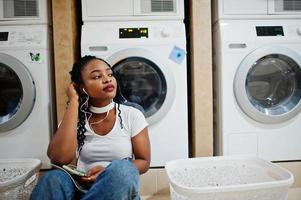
158	197
294	194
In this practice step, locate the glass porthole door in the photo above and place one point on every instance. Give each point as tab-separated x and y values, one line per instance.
144	83
141	82
267	84
17	93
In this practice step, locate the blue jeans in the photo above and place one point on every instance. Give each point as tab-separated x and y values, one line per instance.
120	180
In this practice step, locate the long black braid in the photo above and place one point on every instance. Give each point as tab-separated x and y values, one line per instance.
76	78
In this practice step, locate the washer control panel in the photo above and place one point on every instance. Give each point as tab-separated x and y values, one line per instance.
133	32
22	38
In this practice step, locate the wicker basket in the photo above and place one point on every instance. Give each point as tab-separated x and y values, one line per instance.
18	178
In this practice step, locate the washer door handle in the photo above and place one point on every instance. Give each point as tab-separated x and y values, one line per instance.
98	48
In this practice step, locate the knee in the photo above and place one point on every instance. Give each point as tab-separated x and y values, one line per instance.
55	177
124	168
124	172
55	184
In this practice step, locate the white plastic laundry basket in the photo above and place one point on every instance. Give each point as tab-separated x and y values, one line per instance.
227	178
18	177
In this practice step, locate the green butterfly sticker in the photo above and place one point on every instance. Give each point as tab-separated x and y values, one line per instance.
35	57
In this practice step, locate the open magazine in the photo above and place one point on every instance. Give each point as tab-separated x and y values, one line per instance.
72	171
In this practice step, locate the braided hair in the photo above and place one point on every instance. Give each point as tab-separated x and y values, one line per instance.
76	78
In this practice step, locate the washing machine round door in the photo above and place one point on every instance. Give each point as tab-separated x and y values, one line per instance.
144	82
267	84
17	92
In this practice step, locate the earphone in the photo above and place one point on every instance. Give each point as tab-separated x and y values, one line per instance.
85	91
81	107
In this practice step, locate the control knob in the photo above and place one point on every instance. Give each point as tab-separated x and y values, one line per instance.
166	32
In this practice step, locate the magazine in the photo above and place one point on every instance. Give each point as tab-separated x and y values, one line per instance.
72	171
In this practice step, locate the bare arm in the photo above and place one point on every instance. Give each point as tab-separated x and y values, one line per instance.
141	149
62	147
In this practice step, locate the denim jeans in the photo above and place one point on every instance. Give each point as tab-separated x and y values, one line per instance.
119	181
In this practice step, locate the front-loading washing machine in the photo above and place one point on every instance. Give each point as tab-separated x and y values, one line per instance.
26	100
150	61
257	67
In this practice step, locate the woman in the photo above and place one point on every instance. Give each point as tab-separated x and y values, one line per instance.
110	140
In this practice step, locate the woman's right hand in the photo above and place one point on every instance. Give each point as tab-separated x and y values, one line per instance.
92	175
72	92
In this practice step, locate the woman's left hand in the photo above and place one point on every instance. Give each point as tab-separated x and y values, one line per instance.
92	174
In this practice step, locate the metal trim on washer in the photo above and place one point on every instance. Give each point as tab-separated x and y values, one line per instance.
170	82
240	83
29	92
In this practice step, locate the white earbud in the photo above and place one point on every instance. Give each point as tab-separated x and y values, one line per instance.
84	91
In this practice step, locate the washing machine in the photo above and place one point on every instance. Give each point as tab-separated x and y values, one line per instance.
26	100
258	88
149	59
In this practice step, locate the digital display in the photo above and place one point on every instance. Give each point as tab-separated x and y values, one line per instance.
269	31
133	33
3	36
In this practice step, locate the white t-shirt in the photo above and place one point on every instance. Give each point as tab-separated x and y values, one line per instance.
115	145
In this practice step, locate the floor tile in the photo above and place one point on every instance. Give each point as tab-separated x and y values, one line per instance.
294	194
